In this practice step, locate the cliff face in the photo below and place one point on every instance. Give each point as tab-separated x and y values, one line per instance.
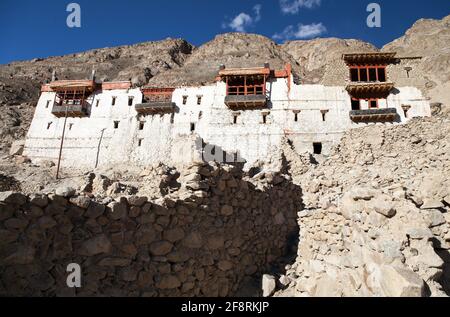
430	39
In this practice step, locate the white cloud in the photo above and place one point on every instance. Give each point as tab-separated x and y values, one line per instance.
294	6
302	31
243	21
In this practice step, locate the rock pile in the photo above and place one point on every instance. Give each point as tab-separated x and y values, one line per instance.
377	215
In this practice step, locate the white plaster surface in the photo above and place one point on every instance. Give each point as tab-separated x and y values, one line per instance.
168	138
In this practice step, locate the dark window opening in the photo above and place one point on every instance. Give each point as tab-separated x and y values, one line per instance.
48	103
185	100
373	104
113	101
296	116
356	104
354	74
324	116
172	117
200	115
246	85
70	126
130	100
116	124
141	125
139	142
317	148
199	100
97	102
381	74
372	74
192	127
49	125
235	119
405	111
264	118
363	74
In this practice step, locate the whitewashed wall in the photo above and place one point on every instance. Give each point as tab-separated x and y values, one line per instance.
168	138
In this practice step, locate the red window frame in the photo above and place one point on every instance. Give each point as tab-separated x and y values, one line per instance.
366	69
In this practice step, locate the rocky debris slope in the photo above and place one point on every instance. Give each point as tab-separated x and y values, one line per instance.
377	215
207	239
429	38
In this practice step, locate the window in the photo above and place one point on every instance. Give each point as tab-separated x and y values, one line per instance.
140	142
317	148
192	127
296	116
381	74
200	115
354	74
97	102
235	116
246	85
116	124
185	100
49	125
48	103
113	101
373	103
264	118
70	126
356	104
172	118
141	125
368	73
372	74
130	100
199	100
324	114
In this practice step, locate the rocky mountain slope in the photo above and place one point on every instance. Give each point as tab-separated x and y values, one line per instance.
429	38
377	215
174	62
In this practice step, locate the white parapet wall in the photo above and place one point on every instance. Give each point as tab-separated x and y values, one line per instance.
117	134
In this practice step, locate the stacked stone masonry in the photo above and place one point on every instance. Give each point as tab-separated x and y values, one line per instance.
202	240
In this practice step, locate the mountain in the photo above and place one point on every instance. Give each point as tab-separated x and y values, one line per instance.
175	62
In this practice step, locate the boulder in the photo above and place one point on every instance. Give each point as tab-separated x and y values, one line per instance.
399	282
65	191
269	284
17	147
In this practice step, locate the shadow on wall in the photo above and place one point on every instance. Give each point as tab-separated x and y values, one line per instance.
218	231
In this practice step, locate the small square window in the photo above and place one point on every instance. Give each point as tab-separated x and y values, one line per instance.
141	125
373	104
185	100
113	101
356	104
317	148
199	100
130	100
192	127
116	124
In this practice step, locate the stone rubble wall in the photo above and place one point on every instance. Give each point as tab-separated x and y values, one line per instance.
205	239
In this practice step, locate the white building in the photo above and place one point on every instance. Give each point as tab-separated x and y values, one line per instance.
246	111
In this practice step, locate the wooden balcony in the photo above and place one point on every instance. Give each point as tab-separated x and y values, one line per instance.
154	107
246	101
370	89
374	115
78	111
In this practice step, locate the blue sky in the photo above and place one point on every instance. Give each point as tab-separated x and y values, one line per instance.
31	28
